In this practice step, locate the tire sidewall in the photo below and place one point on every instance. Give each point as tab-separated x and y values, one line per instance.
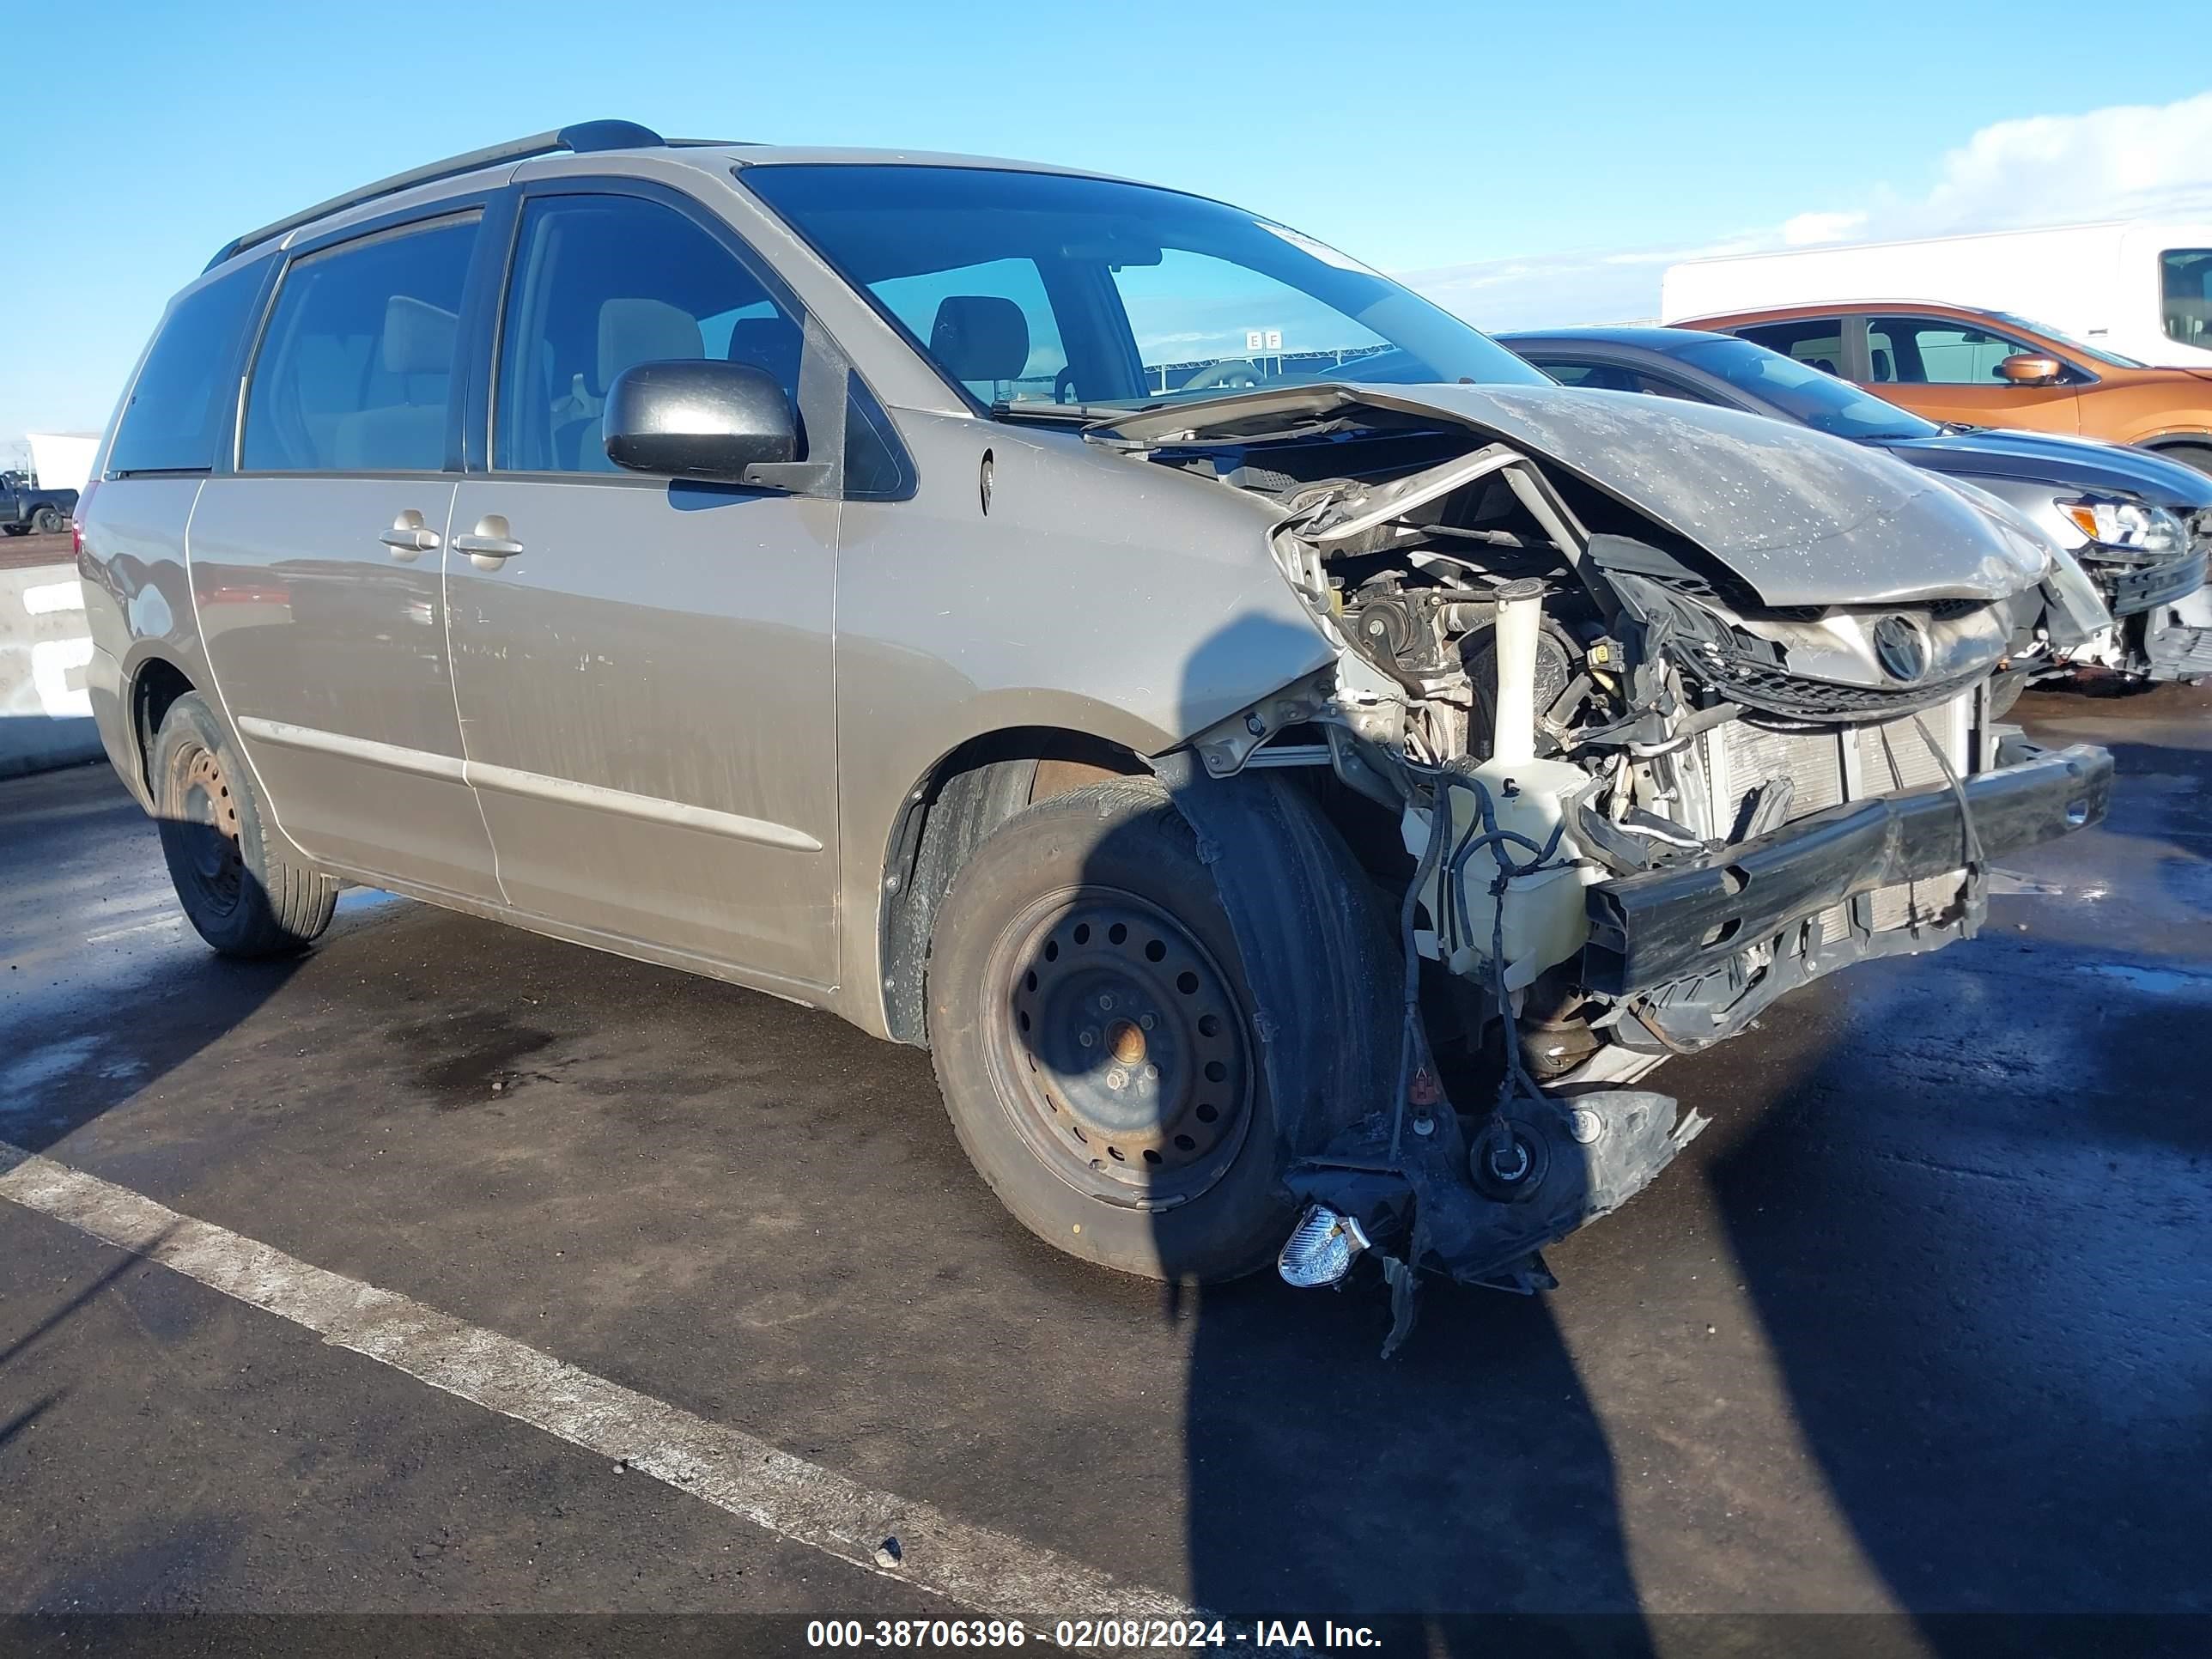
249	927
1126	838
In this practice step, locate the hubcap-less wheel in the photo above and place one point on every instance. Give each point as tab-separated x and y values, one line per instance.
1118	1048
216	866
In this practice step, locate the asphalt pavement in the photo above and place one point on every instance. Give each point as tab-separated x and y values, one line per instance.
1922	1327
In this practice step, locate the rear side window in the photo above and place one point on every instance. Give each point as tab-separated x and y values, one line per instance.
1816	342
356	370
176	410
1613	377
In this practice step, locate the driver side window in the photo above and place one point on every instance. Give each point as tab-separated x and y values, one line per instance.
1911	351
601	285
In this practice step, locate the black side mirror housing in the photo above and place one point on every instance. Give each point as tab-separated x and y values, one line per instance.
704	418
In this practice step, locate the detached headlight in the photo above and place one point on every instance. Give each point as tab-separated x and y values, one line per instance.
2129	524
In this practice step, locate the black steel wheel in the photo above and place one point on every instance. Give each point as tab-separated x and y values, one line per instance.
244	898
1094	1020
1122	1045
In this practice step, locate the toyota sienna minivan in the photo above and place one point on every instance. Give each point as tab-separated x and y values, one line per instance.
1297	768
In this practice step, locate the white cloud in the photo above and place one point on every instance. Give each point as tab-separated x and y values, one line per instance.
1807	228
2122	161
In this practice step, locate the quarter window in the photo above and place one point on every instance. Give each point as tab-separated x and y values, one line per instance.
356	371
602	283
2185	295
176	407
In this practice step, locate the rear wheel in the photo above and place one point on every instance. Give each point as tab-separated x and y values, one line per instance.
244	898
49	521
1090	1020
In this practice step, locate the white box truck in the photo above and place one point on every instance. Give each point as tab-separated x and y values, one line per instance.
2142	288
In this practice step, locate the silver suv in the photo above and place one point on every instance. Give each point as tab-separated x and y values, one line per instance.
1296	767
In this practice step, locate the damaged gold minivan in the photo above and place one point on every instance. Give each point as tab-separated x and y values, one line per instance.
1295	768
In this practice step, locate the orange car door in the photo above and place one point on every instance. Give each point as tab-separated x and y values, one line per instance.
1946	369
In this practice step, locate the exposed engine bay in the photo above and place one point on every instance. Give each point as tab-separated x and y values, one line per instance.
1637	789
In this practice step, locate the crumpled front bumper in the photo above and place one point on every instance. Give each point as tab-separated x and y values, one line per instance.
2132	589
1664	926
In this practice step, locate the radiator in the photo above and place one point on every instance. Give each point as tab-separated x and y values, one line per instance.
1835	764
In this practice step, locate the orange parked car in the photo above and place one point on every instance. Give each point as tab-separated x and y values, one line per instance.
1969	367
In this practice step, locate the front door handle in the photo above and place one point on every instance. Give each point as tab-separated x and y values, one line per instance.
409	536
490	545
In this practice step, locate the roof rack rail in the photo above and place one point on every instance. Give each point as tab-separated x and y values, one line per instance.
580	138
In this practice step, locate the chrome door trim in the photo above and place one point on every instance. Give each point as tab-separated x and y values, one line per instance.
536	785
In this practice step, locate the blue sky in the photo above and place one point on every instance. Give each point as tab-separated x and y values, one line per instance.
1518	156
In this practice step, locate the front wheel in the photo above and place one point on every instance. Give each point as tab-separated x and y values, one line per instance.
244	898
1092	1019
2197	455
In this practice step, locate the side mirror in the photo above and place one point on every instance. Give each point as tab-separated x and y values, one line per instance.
701	418
2025	369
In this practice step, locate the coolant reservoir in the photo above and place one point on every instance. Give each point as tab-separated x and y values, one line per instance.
1545	922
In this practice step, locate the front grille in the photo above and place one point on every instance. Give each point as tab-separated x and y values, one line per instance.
1831	765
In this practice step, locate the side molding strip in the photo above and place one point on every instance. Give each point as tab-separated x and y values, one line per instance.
420	762
536	786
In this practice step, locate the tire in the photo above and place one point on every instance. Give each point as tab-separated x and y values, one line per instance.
244	898
15	529
1137	1133
49	521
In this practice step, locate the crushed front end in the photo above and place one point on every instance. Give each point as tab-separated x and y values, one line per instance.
1644	723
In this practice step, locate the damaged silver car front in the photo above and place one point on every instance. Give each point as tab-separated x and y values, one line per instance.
1673	711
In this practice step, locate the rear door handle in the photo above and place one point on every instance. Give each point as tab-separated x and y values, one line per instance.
490	545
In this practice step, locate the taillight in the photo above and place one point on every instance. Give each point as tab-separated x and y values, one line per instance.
76	518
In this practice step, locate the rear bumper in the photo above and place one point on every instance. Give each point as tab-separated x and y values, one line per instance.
1654	929
103	685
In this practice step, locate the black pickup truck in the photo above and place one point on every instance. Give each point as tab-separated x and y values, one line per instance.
25	507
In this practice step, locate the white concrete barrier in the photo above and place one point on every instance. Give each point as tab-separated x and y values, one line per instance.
45	715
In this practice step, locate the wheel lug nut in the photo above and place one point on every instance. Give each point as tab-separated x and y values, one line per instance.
1150	1075
1115	1080
1106	1002
1146	1021
1087	1037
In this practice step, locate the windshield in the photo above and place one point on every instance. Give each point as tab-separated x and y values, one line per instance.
1803	392
2095	353
1035	288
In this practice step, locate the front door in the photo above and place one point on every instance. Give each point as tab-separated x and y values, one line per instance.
644	665
317	566
1944	369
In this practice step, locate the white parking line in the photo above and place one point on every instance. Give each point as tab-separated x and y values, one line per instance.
987	1571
